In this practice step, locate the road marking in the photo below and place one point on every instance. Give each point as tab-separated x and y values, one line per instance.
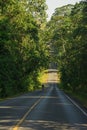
77	105
26	114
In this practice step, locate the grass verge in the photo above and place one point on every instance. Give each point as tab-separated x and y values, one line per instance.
80	97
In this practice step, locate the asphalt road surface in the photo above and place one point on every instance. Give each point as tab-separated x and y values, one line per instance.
50	109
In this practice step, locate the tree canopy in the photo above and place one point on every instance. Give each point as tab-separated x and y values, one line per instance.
68	27
21	46
26	40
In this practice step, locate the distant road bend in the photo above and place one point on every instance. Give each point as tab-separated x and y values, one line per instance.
48	110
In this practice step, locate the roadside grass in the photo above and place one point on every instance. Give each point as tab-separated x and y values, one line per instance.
80	97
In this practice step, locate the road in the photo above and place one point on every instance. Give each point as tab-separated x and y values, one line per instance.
48	110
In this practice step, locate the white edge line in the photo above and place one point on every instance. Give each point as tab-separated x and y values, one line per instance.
77	106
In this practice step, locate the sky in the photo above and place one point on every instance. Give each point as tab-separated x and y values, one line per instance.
53	4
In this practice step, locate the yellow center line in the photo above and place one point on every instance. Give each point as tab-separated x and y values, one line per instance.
26	114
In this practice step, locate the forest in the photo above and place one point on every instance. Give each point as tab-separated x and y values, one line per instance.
68	37
23	52
26	38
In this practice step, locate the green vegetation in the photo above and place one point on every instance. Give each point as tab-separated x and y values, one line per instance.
26	39
68	38
23	53
80	97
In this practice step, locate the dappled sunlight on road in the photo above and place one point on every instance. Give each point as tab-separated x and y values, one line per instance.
42	110
51	125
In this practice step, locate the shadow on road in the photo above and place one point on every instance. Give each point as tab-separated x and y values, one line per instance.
49	114
51	125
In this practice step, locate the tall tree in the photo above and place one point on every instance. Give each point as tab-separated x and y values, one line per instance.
19	46
68	36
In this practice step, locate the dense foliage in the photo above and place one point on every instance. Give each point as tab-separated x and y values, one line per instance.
22	50
68	38
24	43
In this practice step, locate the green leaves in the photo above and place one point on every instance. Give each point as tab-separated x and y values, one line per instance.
68	36
21	44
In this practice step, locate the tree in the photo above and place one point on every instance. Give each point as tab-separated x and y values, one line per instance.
20	56
68	27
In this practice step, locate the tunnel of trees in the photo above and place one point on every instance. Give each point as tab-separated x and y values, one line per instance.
25	40
68	36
